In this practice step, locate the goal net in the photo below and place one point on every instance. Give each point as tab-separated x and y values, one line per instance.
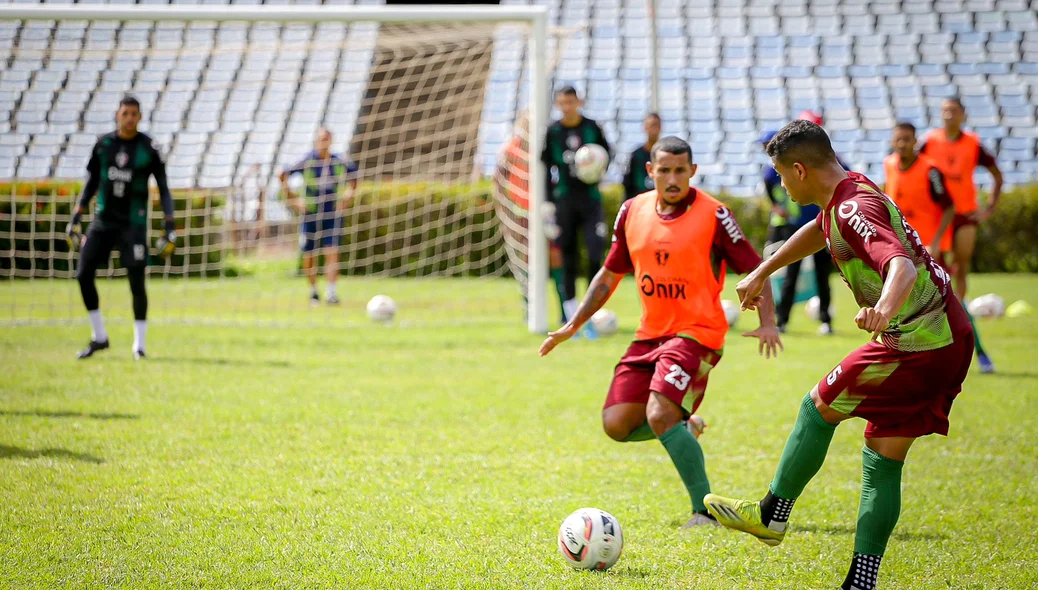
410	200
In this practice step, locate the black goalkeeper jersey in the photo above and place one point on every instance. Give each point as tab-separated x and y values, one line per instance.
121	168
560	145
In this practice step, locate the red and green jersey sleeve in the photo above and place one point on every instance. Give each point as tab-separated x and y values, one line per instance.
864	231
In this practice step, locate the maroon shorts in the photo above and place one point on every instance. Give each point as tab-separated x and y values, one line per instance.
675	367
960	220
902	393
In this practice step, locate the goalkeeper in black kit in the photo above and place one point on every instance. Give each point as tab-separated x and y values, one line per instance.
118	172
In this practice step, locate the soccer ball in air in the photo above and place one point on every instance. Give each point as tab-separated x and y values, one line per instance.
590	163
296	183
590	539
605	322
381	308
987	306
731	311
812	307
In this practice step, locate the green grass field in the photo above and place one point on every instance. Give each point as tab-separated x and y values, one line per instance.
446	456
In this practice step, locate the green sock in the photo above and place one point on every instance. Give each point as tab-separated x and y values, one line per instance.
687	455
880	502
557	278
804	453
643	432
976	333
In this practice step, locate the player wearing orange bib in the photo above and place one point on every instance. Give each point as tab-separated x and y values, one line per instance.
917	186
678	242
958	153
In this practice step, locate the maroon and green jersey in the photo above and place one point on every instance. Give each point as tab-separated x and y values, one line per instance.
864	231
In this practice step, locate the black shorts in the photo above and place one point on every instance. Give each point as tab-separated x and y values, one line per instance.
99	243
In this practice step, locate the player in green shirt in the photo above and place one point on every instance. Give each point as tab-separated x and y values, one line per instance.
118	172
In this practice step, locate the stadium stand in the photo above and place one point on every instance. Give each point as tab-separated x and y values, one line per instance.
727	69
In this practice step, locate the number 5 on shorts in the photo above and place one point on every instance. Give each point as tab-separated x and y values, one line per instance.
677	377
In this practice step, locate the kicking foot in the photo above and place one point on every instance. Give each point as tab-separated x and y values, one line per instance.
695	425
742	515
826	329
138	355
700	519
986	366
333	300
91	349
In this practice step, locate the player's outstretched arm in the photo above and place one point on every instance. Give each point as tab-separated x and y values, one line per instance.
767	334
808	240
598	292
897	287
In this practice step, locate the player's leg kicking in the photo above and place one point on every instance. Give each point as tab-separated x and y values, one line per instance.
903	396
656	387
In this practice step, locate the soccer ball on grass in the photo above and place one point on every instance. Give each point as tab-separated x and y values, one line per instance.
381	308
605	322
591	539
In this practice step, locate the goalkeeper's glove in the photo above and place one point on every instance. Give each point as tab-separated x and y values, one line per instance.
74	232
167	244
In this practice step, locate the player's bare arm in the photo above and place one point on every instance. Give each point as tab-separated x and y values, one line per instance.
598	292
767	333
946	220
901	278
808	240
996	192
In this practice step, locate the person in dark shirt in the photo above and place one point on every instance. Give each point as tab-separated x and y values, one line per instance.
637	180
117	173
578	205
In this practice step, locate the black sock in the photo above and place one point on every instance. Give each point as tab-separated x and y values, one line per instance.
775	509
863	573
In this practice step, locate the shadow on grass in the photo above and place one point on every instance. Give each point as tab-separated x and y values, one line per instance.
220	362
91	415
7	452
843	529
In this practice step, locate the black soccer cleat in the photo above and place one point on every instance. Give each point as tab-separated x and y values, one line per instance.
91	349
138	355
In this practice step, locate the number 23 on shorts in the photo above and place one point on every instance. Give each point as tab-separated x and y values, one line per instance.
678	377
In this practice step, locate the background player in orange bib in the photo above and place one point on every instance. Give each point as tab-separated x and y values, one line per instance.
917	186
678	242
957	153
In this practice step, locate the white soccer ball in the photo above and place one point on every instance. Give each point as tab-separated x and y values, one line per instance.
731	311
814	305
605	322
988	306
381	308
296	183
590	163
591	539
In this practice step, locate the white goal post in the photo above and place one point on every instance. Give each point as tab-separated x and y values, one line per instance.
535	17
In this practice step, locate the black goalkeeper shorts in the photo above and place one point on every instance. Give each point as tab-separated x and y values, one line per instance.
99	243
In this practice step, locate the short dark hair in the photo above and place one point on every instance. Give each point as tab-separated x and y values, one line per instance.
129	101
653	116
906	126
672	145
567	91
801	141
955	98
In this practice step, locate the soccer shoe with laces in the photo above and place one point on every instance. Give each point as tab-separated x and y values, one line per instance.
138	355
91	349
742	515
